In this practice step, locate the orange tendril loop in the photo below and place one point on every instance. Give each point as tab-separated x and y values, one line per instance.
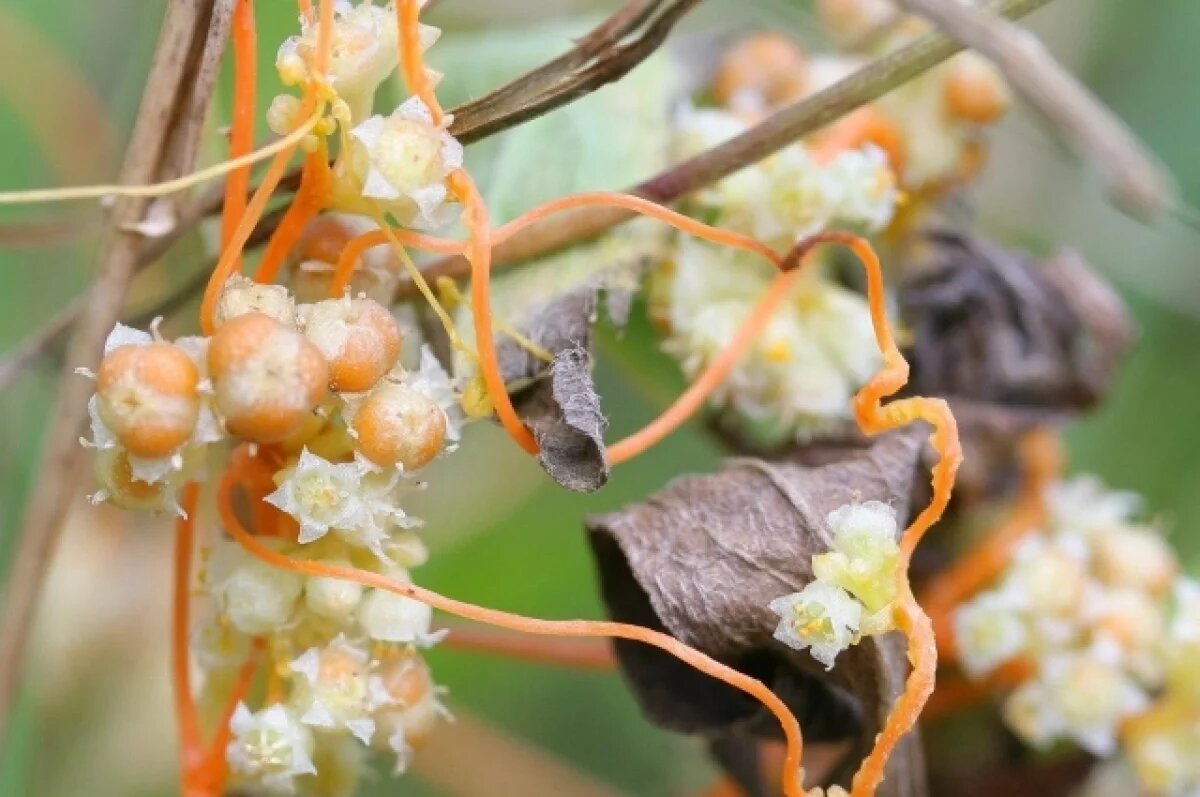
1041	460
874	417
241	133
231	253
528	625
348	260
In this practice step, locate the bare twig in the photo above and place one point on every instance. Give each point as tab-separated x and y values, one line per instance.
772	134
598	59
1138	182
168	102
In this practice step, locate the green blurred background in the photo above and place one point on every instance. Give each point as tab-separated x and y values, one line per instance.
94	716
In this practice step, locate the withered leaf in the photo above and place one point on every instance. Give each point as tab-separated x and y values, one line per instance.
703	558
554	304
1010	341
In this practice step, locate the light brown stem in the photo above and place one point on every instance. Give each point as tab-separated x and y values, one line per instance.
169	102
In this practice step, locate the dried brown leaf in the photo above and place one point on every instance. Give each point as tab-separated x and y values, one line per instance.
1011	342
702	559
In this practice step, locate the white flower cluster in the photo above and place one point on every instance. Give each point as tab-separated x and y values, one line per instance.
797	377
337	428
789	195
854	589
938	115
1094	603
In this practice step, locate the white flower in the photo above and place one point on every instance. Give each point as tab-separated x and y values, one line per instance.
1133	556
1049	575
332	691
270	748
1163	752
821	617
320	495
122	335
388	617
364	53
241	295
256	597
1084	503
1088	695
988	631
400	162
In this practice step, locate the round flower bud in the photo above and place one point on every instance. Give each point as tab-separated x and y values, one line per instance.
974	91
333	598
358	337
268	378
241	296
147	396
760	71
408	708
848	20
389	617
397	425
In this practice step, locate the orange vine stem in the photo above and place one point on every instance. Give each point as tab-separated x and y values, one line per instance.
241	133
310	199
191	753
408	14
579	654
215	763
709	379
479	254
231	253
347	262
1041	460
530	625
639	205
874	417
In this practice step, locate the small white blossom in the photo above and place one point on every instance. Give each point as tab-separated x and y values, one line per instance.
821	617
256	597
988	631
364	53
270	748
320	495
401	162
332	692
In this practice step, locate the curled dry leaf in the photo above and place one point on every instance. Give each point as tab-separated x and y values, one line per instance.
702	559
554	303
1010	341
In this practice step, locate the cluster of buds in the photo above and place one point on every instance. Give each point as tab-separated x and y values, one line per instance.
325	427
938	116
1093	606
797	378
394	164
854	589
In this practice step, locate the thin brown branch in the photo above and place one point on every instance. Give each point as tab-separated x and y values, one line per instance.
1138	181
767	137
163	115
598	59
